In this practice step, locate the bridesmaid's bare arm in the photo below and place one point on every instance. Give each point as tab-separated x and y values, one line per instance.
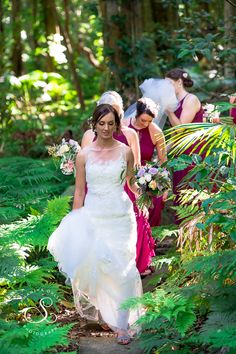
80	182
87	138
191	106
158	140
132	139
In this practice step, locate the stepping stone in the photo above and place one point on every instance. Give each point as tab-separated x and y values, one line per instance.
99	345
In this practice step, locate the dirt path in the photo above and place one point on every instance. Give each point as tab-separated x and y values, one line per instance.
89	345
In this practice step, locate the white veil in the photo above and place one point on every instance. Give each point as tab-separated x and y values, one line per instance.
162	92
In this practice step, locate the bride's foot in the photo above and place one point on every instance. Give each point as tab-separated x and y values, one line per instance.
123	338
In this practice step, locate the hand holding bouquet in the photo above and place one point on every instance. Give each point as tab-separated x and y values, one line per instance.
66	152
152	180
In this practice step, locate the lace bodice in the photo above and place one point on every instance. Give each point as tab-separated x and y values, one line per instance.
106	170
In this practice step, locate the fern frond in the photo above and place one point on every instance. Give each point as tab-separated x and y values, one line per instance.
26	183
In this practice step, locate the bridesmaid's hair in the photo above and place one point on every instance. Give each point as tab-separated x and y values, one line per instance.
147	106
101	111
112	98
176	74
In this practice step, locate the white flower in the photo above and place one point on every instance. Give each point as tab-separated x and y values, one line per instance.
141	180
209	108
185	75
165	174
63	149
148	177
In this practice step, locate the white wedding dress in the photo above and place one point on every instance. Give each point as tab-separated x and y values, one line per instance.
95	246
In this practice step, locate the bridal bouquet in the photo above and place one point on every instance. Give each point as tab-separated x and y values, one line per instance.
152	180
66	152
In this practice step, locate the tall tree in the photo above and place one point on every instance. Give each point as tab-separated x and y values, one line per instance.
17	64
50	23
230	35
2	39
70	53
123	33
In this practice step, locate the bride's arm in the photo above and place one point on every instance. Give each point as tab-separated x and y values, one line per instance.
129	175
80	182
130	172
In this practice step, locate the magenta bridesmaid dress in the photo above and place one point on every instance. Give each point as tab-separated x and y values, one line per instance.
233	114
145	247
178	175
147	149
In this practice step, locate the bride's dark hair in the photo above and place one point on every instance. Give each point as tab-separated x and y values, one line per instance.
101	111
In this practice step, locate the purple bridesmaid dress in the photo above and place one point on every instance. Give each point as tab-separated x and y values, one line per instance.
145	247
178	175
147	149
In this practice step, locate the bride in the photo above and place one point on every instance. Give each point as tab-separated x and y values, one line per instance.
95	244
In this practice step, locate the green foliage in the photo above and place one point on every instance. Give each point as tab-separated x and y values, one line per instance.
198	285
194	308
26	186
207	136
168	318
208	190
37	112
31	339
161	232
27	275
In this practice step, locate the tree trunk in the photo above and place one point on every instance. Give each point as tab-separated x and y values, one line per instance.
35	25
230	33
70	53
2	40
123	27
50	23
16	33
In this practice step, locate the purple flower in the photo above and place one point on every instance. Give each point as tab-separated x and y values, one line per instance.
153	170
141	172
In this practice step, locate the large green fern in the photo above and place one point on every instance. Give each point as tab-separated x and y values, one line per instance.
31	338
27	276
27	184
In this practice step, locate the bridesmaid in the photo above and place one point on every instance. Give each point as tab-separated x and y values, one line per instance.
145	243
232	111
189	111
151	140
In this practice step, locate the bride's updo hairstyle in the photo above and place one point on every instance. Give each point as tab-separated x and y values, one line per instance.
147	106
101	111
112	98
176	74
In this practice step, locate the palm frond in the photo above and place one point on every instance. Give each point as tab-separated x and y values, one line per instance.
207	136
